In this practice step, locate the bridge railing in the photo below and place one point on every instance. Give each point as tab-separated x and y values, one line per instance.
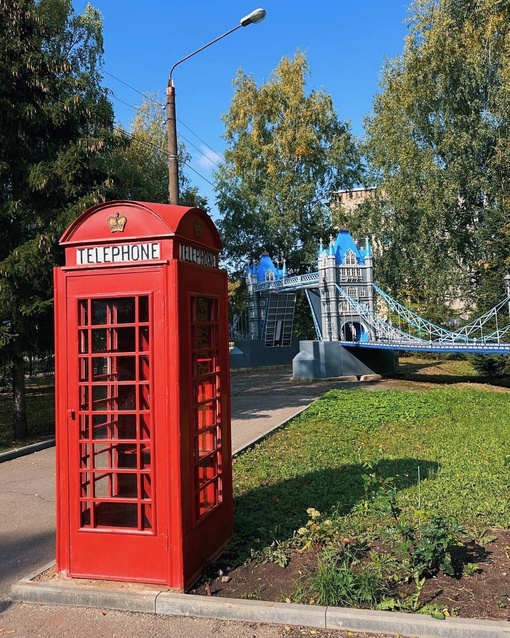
308	280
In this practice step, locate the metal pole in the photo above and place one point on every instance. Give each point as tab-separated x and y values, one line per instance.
171	122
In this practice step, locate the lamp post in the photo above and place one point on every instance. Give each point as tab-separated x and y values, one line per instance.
173	166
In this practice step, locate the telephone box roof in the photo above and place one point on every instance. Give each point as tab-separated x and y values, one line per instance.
142	219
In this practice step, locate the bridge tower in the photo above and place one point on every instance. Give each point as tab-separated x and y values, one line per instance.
343	264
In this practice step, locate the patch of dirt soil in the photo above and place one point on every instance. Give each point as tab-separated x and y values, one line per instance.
482	593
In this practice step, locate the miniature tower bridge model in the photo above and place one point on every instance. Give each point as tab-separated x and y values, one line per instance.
352	339
344	269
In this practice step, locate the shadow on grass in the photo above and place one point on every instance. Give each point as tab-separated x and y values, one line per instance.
276	511
450	379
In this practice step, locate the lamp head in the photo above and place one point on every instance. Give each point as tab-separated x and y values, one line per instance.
252	18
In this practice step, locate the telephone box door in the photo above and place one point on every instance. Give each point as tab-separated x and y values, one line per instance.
114	348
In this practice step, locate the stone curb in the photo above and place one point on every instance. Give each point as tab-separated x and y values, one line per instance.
28	449
115	596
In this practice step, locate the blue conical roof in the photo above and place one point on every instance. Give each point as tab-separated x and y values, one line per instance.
343	244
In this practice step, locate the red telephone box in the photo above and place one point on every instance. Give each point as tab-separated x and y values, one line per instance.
144	475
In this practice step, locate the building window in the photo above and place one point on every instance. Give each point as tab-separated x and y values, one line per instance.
350	258
269	276
352	292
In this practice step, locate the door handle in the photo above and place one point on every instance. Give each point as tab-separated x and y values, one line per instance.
71	414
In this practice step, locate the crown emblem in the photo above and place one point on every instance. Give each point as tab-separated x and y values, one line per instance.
197	225
117	223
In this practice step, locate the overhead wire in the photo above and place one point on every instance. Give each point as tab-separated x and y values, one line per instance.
148	97
160	149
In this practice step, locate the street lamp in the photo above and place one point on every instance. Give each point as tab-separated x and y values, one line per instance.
173	169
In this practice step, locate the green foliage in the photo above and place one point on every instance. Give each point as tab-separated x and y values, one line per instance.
274	553
337	583
286	151
347	574
438	146
492	366
56	137
141	163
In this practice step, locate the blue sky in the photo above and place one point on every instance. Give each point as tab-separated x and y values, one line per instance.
346	44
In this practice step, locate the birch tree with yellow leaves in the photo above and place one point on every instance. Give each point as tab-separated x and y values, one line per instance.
286	152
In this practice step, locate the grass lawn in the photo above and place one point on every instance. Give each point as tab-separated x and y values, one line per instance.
441	449
40	413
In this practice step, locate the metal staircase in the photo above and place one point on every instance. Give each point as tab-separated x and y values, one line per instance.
279	319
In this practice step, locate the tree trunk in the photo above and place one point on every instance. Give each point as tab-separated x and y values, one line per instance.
19	417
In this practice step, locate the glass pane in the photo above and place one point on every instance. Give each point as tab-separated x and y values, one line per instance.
127	486
84	369
127	426
127	456
125	310
83	340
144	339
143	309
100	400
202	309
100	429
84	456
100	340
145	427
101	367
147	516
116	514
145	457
126	340
204	365
103	485
99	312
126	368
84	397
144	397
144	368
85	485
206	469
206	415
83	313
84	426
207	498
202	337
146	487
103	456
126	396
205	388
205	443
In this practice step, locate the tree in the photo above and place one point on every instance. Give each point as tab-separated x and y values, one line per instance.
438	148
286	152
56	137
143	162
